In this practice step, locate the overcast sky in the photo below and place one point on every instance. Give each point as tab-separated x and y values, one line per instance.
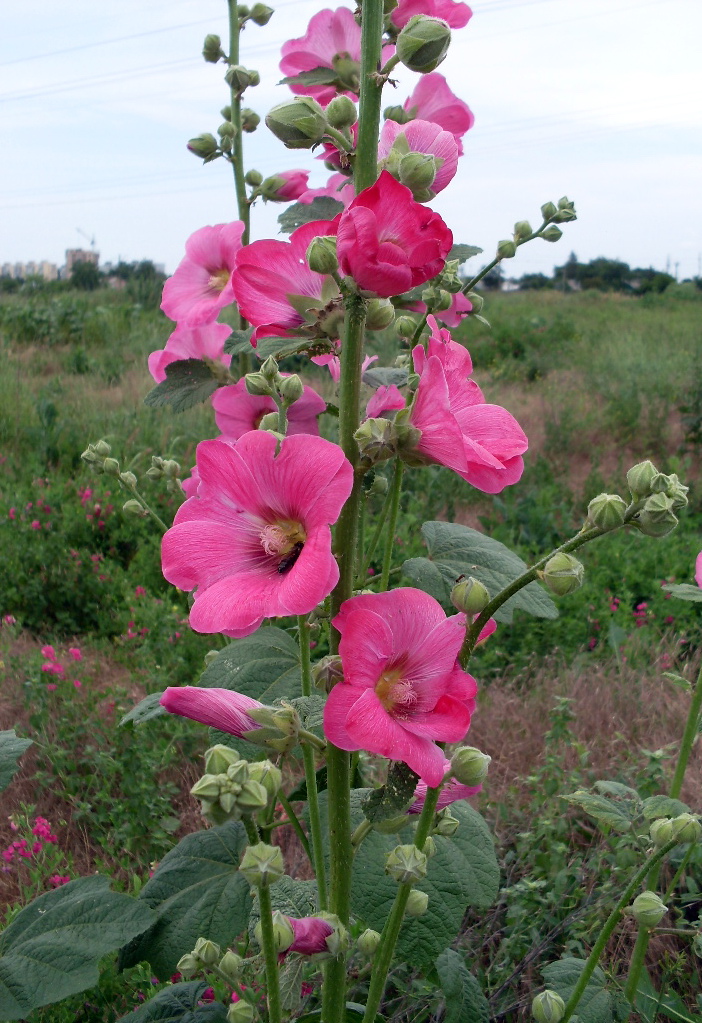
596	99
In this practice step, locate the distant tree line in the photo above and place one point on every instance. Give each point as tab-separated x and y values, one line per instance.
600	274
142	281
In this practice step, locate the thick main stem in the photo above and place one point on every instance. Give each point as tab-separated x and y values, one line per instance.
310	773
237	154
270	956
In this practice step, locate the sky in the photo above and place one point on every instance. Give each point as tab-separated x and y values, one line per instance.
599	100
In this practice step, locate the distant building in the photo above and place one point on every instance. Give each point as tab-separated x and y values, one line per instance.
74	256
21	271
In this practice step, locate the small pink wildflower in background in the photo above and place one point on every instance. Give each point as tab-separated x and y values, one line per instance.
12	514
56	880
74	652
140	591
36	524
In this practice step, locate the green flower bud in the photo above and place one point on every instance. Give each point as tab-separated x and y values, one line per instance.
237	773
661	832
267	775
256	383
283	934
417	903
423	43
240	1012
606	511
321	255
551	233
470	595
338	941
260	14
129	479
506	248
111	467
548	1007
341	112
656	518
132	507
429	849
230	965
406	863
207	952
239	78
379	314
368	943
212	49
102	448
226	129
549	210
647	909
563	574
327	672
446	825
290	389
639	479
686	828
249	120
469	765
377	440
252	798
262	864
188	965
379	487
253	178
522	230
205	146
566	211
450	280
207	787
677	492
417	171
226	112
397	114
153	473
298	123
476	300
405	326
171	468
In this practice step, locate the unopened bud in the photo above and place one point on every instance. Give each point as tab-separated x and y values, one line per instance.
639	479
397	114
257	384
379	314
338	941
253	178
240	1012
506	248
132	507
212	49
208	787
327	672
102	448
377	440
469	765
379	487
551	233
207	952
298	123
446	824
226	130
548	1007
260	14
283	934
423	43
647	909
321	255
522	230
188	965
238	78
606	511
270	422
110	467
686	828
406	863
563	574
429	849
417	171
566	211
252	798
661	832
476	300
262	864
341	112
267	775
657	517
249	120
230	965
405	326
417	903
470	595
205	146
129	479
290	389
549	210
368	943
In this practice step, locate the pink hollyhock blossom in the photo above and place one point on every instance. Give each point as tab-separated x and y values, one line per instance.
402	690
388	242
255	542
285	185
456	15
219	708
202	285
333	362
186	342
458	310
398	140
432	100
311	935
278	293
237	411
386	399
698	569
450	793
333	157
482	443
338	187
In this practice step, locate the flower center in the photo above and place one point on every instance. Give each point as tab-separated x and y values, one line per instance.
396	693
219	279
284	541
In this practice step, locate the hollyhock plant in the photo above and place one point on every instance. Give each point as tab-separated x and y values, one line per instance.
333	362
202	283
402	690
432	100
399	140
387	398
237	411
255	541
187	342
456	15
388	242
219	708
450	793
339	187
698	569
482	443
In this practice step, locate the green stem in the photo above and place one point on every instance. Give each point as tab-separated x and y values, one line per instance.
498	259
366	164
237	153
363	829
395	491
310	773
606	932
365	565
270	956
296	826
147	508
391	931
679	872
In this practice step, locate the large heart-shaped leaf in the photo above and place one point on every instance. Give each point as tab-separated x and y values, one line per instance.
322	207
596	1004
11	749
188	382
465	1001
178	1004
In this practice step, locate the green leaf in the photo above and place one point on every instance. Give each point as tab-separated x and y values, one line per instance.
188	382
663	806
148	708
617	815
616	637
239	342
595	1006
684	591
317	76
678	681
383	376
299	793
265	665
463	252
196	892
465	1001
456	551
295	898
650	1004
280	347
392	798
52	948
11	749
616	789
322	207
178	1004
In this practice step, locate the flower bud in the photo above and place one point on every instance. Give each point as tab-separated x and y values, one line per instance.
171	468
677	492
548	1007
230	965
110	467
397	114
327	672
417	903
260	14
551	233
606	511
377	440
129	479
446	824
132	507
391	825
368	943
418	171
686	828
253	178
563	574
239	78
647	909
102	448
656	518
469	765
639	479
379	314
405	326
240	1012
262	864
298	123
267	775
549	210
283	934
506	248
226	128
207	952
379	487
212	49
406	863
338	941
429	849
290	389
205	146
423	43
188	965
522	230
252	798
476	300
256	383
661	832
341	112
321	255
566	211
207	787
249	120
470	595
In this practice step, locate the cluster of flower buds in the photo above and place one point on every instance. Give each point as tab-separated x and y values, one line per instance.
682	829
327	672
446	825
321	936
285	390
232	787
523	232
548	1007
377	440
658	496
168	469
96	455
562	574
208	954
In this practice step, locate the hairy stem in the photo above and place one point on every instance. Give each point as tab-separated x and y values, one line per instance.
395	492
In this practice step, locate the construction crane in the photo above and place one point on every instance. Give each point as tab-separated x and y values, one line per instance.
87	238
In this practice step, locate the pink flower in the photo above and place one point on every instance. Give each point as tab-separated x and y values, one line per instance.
36	524
51	686
482	443
402	690
48	652
388	242
432	100
339	186
56	880
205	342
219	708
332	156
201	285
9	620
237	411
398	140
74	652
385	399
698	569
450	793
457	15
333	363
285	185
311	935
255	542
140	591
278	293
12	513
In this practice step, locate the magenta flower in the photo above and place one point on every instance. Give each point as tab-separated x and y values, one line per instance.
482	443
285	185
398	140
456	15
432	100
333	362
388	242
187	342
201	285
339	187
402	690
311	935
698	569
237	411
219	708
386	399
255	541
278	293
450	793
